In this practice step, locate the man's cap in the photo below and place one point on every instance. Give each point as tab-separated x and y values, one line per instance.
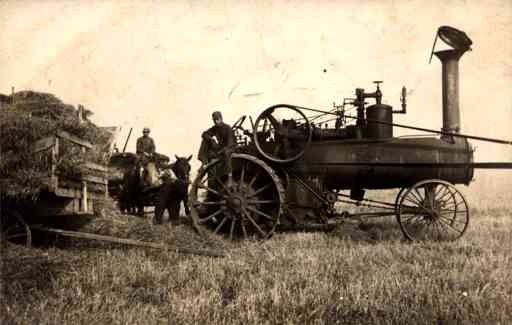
145	130
216	115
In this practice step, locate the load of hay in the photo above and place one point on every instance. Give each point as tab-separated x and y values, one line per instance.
28	116
109	221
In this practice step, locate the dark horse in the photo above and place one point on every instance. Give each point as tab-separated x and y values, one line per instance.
174	191
129	196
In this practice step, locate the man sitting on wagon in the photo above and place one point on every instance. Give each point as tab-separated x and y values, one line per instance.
145	154
225	137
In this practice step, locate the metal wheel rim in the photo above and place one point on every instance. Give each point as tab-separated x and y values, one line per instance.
270	157
446	218
240	223
12	221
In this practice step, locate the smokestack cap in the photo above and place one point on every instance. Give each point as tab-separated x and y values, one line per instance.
455	38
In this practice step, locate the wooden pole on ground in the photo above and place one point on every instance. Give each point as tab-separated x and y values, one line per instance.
126	241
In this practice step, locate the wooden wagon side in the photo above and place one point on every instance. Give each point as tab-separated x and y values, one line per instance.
73	195
61	195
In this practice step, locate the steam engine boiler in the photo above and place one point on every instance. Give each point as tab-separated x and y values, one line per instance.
366	155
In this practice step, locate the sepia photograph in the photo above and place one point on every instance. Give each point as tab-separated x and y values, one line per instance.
255	162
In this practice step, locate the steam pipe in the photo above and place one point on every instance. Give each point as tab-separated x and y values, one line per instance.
403	100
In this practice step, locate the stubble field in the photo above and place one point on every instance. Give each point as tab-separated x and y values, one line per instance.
361	273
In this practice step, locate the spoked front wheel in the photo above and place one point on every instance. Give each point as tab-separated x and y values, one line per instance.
432	209
249	207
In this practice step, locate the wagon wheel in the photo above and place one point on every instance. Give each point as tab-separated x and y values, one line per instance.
433	209
250	207
14	229
398	197
284	141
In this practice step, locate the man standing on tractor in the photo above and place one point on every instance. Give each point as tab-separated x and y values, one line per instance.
145	154
225	143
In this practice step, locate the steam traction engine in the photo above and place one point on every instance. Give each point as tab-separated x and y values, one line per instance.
289	171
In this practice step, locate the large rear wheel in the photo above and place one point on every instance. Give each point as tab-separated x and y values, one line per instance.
249	208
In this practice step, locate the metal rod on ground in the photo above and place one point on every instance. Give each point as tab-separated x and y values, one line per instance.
307	227
127	138
125	241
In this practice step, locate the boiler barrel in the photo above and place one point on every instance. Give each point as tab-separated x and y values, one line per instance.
329	159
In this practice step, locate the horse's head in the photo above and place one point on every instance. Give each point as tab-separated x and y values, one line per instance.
181	168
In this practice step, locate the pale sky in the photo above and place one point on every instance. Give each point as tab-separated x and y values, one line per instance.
169	64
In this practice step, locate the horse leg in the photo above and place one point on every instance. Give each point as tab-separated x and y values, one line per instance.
185	205
159	211
162	203
174	211
140	207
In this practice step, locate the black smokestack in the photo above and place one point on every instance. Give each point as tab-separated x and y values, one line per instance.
460	42
450	84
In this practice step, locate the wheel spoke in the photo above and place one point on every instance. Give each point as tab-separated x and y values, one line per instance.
253	179
221	183
220	224
277	148
451	227
210	203
262	201
263	214
211	190
447	192
254	222
453	205
211	216
446	228
421	198
419	204
261	189
265	122
406	220
439	190
415	220
409	209
412	198
446	211
451	221
242	222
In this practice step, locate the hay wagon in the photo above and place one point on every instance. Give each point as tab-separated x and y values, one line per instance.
61	194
